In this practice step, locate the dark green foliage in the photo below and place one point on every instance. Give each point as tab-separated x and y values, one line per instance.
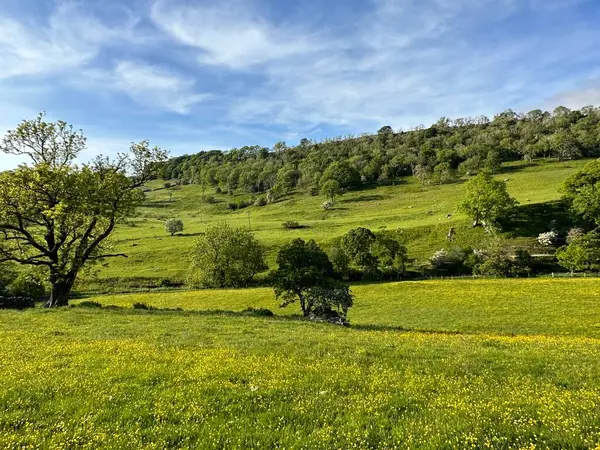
391	255
363	253
13	298
261	201
305	273
357	244
501	262
291	225
14	302
454	261
233	206
90	304
341	262
582	192
141	305
28	284
261	312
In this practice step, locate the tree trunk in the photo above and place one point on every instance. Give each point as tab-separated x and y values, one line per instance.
305	310
61	290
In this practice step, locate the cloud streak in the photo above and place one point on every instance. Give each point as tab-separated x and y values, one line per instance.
157	86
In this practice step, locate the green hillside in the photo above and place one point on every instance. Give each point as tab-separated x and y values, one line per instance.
419	211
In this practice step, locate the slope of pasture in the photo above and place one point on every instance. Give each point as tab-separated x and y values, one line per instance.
124	378
420	211
514	306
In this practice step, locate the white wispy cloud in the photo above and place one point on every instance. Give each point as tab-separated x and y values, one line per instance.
228	33
69	38
576	98
157	86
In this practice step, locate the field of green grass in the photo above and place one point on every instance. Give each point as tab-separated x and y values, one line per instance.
419	211
434	364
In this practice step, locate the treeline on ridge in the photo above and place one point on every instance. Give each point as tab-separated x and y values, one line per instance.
438	154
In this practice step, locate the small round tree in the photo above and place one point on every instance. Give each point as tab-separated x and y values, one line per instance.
331	189
226	257
487	201
358	244
173	226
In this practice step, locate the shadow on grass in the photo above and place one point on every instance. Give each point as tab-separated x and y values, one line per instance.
515	168
531	220
157	204
363	198
260	313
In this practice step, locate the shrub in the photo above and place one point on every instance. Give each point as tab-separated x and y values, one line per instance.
89	304
173	226
167	185
574	234
501	263
218	190
210	200
261	201
341	262
233	206
548	238
263	312
456	261
291	225
16	302
142	305
28	285
166	282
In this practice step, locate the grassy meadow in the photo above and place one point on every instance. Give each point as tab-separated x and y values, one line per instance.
437	364
419	211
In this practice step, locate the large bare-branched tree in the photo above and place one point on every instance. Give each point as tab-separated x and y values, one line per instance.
58	215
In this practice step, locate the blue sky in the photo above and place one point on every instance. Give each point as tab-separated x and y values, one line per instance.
192	75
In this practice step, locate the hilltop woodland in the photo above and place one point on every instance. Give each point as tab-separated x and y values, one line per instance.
438	154
57	217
